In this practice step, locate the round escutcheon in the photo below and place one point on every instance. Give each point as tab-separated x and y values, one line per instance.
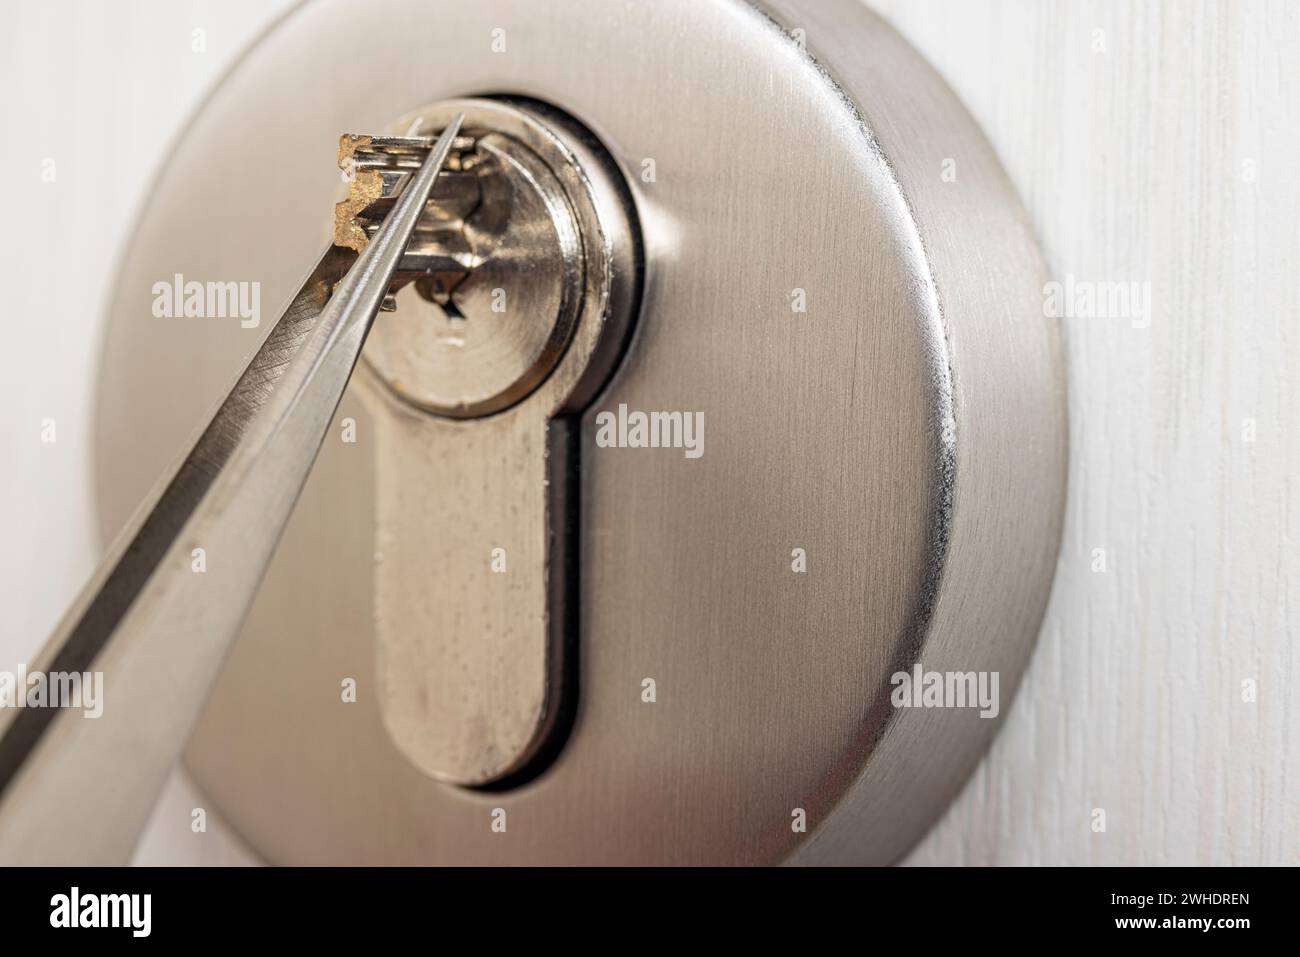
750	573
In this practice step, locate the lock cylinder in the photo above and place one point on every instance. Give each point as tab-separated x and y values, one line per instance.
508	312
489	294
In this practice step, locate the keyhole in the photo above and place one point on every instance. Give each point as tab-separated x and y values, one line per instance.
437	290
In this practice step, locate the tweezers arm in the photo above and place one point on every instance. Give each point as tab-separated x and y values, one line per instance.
77	789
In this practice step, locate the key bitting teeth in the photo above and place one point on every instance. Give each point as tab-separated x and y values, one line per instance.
378	168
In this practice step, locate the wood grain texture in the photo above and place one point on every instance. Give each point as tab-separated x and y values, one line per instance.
1134	164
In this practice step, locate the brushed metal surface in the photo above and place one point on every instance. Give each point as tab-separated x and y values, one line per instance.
907	431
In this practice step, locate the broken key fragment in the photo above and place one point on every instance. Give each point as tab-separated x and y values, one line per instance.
377	169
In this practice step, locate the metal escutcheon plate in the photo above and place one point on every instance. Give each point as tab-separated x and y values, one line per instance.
883	467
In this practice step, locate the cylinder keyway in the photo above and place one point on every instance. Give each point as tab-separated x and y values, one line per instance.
515	300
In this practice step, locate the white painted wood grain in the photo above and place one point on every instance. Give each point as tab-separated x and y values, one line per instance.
1132	164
